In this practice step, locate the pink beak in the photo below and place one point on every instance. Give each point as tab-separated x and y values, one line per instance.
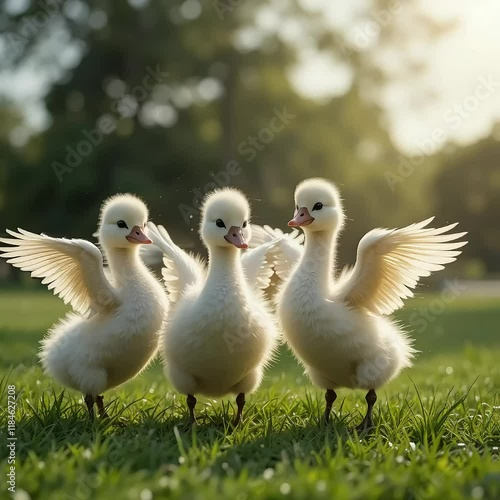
302	218
138	236
235	237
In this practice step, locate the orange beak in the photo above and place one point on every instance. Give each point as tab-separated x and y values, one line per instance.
138	236
235	236
302	218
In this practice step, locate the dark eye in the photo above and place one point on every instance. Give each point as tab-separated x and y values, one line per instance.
121	224
245	224
220	223
318	206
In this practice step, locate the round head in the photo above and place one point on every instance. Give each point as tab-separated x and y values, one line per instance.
122	223
317	206
225	219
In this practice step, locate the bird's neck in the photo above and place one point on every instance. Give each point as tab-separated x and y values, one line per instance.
224	265
317	265
125	264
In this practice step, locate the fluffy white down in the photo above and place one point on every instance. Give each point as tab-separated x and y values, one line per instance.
340	346
221	334
112	333
95	354
219	340
337	328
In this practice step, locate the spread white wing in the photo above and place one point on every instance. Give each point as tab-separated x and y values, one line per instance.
258	264
181	269
391	262
288	251
152	256
72	268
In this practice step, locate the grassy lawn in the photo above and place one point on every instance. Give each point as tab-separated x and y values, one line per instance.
438	424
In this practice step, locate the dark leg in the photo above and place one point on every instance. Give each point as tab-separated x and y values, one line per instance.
240	401
100	406
191	402
89	401
330	397
367	423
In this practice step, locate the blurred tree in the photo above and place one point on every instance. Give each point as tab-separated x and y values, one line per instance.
468	190
171	98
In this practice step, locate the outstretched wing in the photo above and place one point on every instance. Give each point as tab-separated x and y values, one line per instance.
288	251
152	256
181	269
391	262
258	264
73	269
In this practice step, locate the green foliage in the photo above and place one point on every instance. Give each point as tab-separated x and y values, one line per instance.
468	189
48	189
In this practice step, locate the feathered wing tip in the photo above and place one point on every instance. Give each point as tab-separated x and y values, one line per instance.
288	251
265	234
170	276
390	263
181	269
71	268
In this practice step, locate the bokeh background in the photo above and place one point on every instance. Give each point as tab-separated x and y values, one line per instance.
398	102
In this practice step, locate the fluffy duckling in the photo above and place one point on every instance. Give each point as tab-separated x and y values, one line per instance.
112	334
221	335
338	328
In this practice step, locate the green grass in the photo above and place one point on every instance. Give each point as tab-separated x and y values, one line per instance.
437	435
